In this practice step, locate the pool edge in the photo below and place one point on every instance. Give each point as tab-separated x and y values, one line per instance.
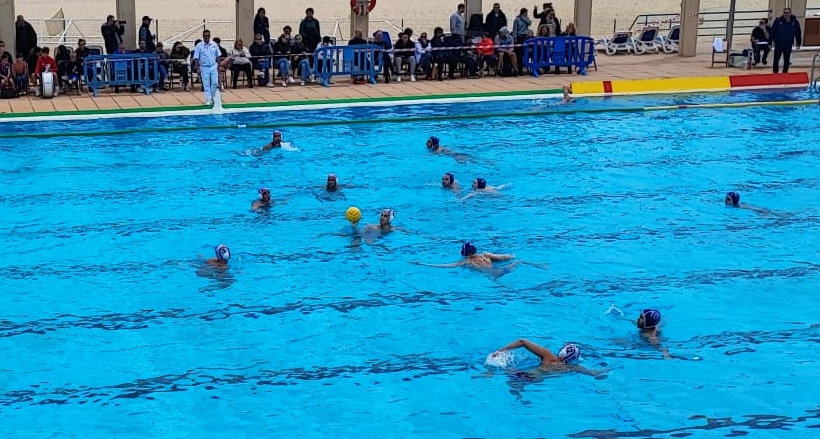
241	107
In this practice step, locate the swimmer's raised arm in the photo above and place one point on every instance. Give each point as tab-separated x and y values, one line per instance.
540	351
498	258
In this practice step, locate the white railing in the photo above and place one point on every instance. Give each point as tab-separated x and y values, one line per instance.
57	30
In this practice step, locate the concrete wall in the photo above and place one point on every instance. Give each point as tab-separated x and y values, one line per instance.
245	11
127	11
7	31
689	18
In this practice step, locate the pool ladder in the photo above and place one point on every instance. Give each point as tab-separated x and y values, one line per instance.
814	83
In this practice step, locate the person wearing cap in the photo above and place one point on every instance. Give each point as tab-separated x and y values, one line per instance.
647	324
146	35
561	362
276	141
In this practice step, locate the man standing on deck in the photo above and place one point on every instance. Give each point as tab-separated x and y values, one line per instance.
785	32
206	53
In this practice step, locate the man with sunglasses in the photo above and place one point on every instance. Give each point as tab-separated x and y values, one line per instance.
207	54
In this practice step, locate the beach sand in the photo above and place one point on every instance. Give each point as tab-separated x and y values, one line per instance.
422	15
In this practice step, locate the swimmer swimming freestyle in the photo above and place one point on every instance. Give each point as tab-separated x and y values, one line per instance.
480	188
479	261
549	362
733	199
434	146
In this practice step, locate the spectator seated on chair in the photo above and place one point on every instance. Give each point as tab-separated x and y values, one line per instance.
505	49
44	64
467	57
6	77
224	62
61	55
163	64
440	55
281	55
82	51
424	55
486	54
451	56
386	61
300	57
261	54
21	75
179	62
405	53
241	63
71	72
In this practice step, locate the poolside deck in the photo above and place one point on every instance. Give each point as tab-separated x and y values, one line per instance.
609	68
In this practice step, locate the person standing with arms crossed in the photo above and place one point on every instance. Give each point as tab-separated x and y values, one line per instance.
206	54
785	32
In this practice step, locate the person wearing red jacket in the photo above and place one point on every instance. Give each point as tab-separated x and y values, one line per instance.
44	63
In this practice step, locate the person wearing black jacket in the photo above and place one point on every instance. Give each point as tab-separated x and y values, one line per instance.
361	62
761	40
310	31
146	35
261	25
112	32
785	32
495	20
26	38
262	54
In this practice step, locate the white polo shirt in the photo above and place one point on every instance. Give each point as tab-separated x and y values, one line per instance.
207	54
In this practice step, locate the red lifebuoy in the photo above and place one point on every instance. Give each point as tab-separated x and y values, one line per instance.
358	6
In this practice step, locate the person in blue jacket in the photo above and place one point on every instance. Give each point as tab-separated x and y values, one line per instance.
785	32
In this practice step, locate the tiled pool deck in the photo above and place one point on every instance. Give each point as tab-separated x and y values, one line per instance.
609	68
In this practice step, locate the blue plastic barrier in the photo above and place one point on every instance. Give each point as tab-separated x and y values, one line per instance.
543	52
135	69
358	60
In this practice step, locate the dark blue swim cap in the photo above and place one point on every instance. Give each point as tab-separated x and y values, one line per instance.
433	140
450	178
468	249
735	197
481	183
651	318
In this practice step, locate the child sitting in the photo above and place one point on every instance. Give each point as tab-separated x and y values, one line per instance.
486	53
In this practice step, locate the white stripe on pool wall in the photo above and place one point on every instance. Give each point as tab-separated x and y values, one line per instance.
301	107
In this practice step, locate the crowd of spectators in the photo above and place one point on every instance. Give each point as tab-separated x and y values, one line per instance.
492	47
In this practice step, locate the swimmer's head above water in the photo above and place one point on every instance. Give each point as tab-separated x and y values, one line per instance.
468	249
433	143
733	199
277	136
569	353
332	182
223	253
447	180
386	217
649	319
479	183
264	194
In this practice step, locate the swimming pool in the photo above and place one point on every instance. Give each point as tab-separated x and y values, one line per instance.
107	329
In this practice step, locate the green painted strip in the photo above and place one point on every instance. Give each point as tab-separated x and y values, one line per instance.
277	104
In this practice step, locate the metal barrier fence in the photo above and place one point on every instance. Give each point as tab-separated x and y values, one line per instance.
129	70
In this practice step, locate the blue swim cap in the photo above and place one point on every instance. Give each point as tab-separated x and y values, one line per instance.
263	190
735	197
481	183
433	140
223	253
569	352
651	319
468	249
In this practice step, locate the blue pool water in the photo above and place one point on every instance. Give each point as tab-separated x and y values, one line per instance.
109	327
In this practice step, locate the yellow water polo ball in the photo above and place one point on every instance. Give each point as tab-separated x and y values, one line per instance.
353	214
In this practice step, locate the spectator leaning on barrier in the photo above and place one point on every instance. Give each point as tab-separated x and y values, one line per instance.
495	20
146	35
457	25
785	32
112	32
261	25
